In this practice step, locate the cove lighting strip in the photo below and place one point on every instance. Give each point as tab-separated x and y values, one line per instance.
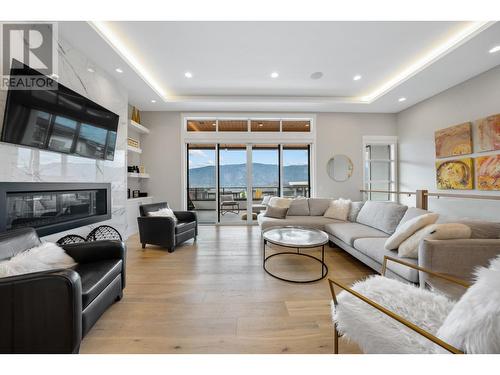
465	34
120	47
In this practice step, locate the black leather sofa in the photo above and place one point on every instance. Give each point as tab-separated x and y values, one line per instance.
51	311
163	231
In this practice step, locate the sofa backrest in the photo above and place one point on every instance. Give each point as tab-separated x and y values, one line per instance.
145	209
384	216
480	228
318	206
16	241
299	207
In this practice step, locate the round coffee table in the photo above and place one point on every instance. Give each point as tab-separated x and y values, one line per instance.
297	238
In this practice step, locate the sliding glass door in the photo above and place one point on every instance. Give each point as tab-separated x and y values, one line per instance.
265	175
233	183
201	182
227	183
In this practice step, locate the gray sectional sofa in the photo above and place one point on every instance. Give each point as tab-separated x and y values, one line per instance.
369	225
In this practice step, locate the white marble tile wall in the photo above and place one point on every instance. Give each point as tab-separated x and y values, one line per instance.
27	164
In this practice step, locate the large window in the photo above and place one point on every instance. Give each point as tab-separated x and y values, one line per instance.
296	171
380	172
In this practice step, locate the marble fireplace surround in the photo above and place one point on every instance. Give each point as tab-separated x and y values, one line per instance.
25	164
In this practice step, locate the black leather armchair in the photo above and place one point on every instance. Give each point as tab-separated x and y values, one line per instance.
50	311
163	231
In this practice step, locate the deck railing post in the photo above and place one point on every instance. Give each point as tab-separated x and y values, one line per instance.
422	200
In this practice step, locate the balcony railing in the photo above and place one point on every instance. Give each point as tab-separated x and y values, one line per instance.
240	193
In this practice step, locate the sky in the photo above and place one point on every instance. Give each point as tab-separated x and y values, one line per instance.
203	158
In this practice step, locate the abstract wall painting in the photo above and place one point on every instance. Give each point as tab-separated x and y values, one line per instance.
487	134
455	140
455	174
488	172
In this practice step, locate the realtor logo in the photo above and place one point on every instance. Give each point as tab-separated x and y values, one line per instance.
32	44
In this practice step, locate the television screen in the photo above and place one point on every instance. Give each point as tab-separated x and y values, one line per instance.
58	120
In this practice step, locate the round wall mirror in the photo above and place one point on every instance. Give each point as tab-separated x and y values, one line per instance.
339	168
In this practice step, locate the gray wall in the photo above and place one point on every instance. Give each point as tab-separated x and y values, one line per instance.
342	133
337	133
162	156
473	99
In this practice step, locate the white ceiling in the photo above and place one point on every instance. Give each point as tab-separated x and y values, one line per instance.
231	62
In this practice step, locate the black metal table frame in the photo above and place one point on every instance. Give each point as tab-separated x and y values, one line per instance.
324	267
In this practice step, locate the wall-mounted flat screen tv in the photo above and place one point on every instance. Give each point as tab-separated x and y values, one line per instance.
58	120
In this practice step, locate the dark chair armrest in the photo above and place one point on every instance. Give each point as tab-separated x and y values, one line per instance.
87	252
186	215
41	312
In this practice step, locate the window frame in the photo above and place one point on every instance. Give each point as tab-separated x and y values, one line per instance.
393	182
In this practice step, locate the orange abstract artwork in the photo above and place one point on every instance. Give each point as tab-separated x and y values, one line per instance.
488	172
455	140
487	134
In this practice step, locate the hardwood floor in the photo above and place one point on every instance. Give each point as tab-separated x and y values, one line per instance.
213	296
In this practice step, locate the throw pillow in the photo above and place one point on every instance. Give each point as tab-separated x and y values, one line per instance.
298	207
280	202
276	212
354	211
473	325
265	200
338	209
408	228
164	212
409	247
47	256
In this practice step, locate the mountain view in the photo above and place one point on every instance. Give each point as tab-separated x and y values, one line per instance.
234	175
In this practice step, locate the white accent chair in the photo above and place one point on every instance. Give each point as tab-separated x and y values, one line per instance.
383	315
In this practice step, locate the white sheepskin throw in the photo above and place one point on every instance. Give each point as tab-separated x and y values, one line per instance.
374	331
47	256
473	325
163	212
338	209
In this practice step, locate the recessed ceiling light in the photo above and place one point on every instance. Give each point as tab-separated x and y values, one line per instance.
274	75
261	124
494	49
357	77
317	75
188	75
153	101
118	70
401	99
214	124
90	70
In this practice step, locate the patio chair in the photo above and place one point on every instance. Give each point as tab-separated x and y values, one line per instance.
228	205
383	315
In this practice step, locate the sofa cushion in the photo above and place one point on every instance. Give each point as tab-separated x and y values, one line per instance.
318	206
479	228
316	222
384	216
276	212
299	207
338	209
354	211
404	231
411	213
374	248
96	276
280	202
348	232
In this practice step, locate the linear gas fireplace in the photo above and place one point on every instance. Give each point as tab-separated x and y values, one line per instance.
52	207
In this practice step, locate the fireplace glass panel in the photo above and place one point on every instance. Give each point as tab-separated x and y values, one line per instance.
38	209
